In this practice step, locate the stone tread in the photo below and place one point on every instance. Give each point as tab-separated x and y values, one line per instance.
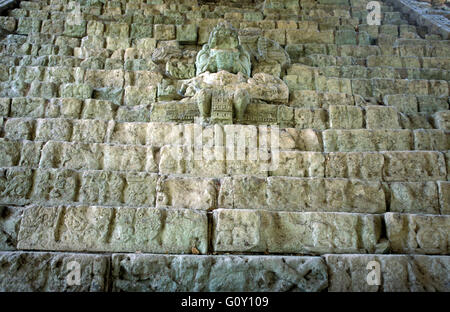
48	271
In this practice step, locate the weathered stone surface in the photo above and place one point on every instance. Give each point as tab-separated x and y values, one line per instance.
299	164
398	273
381	117
19	129
437	140
53	129
367	166
423	234
346	117
10	218
36	271
95	228
223	52
365	140
308	118
414	166
442	120
194	193
334	195
295	232
15	184
414	197
131	272
192	160
444	196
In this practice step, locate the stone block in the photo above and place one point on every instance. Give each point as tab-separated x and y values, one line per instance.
414	166
379	117
422	234
187	33
105	78
332	195
92	228
129	158
444	197
131	272
193	193
89	131
5	104
363	140
294	232
75	90
366	166
15	184
98	109
54	185
414	197
19	129
308	118
164	32
299	164
140	189
53	129
346	117
49	272
431	139
10	218
398	273
442	120
243	192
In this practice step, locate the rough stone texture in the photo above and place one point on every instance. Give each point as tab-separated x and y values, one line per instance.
46	271
298	194
423	234
10	218
134	272
444	196
291	232
101	104
414	197
398	273
91	228
414	166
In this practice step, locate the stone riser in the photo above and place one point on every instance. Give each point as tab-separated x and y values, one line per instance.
149	272
170	230
137	135
20	187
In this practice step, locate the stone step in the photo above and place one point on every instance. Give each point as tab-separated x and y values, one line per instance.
221	161
418	234
347	118
236	230
309	78
412	71
399	273
124	188
131	272
307	109
107	229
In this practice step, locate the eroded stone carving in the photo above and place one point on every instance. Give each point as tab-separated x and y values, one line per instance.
223	52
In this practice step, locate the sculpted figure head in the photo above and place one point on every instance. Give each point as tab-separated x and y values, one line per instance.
223	52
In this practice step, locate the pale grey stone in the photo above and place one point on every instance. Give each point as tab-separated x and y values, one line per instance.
134	272
49	272
10	218
294	232
106	229
414	233
415	273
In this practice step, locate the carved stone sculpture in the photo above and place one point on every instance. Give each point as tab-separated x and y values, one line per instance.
223	52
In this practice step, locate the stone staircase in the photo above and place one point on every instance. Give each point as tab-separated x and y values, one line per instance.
356	170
